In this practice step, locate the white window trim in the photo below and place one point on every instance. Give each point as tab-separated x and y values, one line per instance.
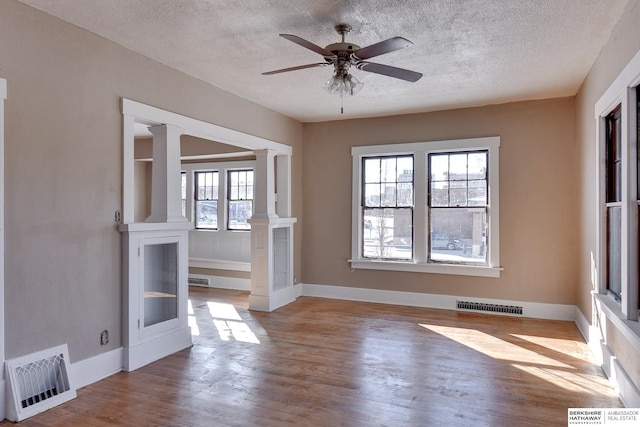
221	168
621	92
420	151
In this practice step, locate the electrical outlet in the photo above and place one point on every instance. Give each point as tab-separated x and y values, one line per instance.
117	217
104	337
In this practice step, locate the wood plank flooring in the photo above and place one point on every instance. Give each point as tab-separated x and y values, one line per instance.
320	362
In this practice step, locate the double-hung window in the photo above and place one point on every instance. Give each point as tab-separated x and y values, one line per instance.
615	267
206	199
239	199
613	190
458	207
427	207
387	207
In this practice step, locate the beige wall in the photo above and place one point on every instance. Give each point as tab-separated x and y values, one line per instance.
623	44
538	199
63	170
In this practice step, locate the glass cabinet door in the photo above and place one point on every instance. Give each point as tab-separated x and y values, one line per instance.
160	283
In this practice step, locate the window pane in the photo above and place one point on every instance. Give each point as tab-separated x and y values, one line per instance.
206	185
388	233
478	165
388	169
458	166
614	156
372	195
389	196
388	181
207	214
239	212
405	182
458	235
372	170
477	193
439	194
614	250
439	167
458	195
458	179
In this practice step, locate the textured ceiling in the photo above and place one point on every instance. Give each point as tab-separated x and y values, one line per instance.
471	52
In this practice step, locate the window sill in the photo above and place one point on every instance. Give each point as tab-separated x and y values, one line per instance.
421	267
630	329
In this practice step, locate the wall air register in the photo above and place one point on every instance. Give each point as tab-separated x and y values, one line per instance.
489	308
199	281
37	382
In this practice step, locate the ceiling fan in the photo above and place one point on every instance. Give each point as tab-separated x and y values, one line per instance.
344	55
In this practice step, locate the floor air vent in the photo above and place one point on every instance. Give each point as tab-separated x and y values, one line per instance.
491	308
37	382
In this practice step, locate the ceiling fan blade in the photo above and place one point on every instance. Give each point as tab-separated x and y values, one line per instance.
299	67
304	43
387	70
382	47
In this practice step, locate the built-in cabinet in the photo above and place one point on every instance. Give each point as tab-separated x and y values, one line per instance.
156	292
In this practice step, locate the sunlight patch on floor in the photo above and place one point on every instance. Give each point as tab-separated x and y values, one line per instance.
567	380
191	319
494	347
220	310
229	324
550	343
239	331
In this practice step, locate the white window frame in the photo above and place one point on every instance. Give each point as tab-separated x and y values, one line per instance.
227	199
621	92
221	168
420	152
192	191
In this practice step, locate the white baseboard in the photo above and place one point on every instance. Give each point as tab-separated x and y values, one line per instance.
276	300
445	302
93	369
234	283
149	351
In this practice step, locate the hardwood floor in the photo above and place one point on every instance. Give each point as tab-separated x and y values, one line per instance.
320	362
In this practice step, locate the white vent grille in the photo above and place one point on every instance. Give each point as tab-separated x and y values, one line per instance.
491	308
38	382
199	281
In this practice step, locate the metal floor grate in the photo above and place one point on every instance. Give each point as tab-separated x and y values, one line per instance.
491	308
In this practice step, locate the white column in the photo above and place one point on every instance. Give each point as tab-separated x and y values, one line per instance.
283	184
267	293
128	168
264	203
166	200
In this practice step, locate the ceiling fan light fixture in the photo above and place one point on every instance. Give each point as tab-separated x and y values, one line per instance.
343	84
